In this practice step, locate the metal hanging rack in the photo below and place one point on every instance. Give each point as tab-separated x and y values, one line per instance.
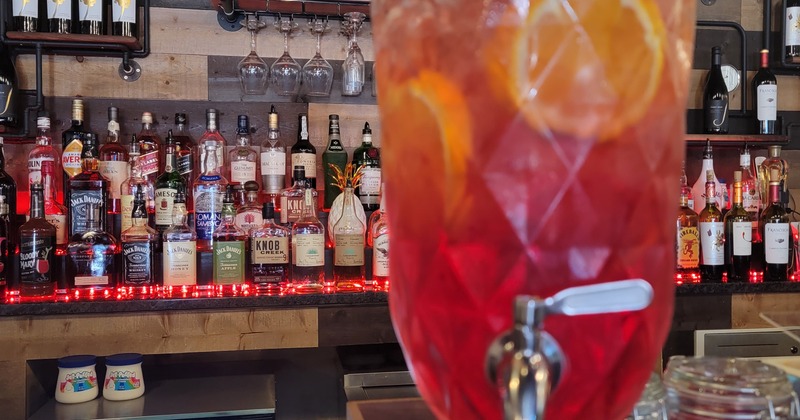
231	12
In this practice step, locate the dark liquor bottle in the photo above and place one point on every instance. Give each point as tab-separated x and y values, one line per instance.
738	236
5	261
792	34
88	187
8	89
26	15
712	238
37	253
335	155
304	153
368	157
92	260
292	198
688	243
8	188
270	254
185	156
230	251
123	15
92	16
59	16
715	97
765	89
114	161
150	146
775	231
168	185
138	251
72	143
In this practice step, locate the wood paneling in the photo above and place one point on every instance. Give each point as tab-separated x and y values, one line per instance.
753	15
745	309
730	10
351	123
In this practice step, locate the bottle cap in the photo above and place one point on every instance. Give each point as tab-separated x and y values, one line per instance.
273	118
169	140
77	361
251	186
242	125
774	151
268	210
744	158
716	50
147	118
228	198
366	129
134	145
299	172
113	113
737	176
43	122
709	176
180	118
211	113
333	117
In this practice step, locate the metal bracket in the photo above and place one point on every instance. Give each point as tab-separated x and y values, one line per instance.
129	70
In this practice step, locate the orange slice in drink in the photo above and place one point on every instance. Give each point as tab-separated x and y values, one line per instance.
587	69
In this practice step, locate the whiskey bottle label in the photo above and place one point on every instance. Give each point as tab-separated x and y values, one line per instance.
242	171
309	250
123	11
349	251
149	163
742	238
165	199
91	280
71	157
180	263
26	8
126	209
207	212
249	219
79	202
60	223
273	250
308	161
776	243
59	9
712	243
116	172
291	209
137	257
273	162
35	259
229	262
688	248
380	255
90	10
185	164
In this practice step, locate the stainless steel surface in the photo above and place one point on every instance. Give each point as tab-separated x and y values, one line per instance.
759	343
379	385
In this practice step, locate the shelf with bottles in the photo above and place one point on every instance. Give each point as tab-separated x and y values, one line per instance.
738	140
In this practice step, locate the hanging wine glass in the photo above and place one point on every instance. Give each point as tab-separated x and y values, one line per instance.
353	67
253	71
285	71
317	72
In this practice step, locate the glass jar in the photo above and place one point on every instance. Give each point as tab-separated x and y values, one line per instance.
723	388
652	404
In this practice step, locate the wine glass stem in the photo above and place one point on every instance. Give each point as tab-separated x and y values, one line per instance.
319	43
286	42
252	40
353	38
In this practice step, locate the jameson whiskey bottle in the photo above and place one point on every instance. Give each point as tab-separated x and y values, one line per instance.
180	249
738	236
168	185
270	254
775	231
37	253
230	250
712	239
138	251
335	155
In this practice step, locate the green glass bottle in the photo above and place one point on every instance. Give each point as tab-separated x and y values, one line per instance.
336	155
168	185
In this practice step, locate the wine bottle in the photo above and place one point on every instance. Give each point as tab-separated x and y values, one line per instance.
92	17
712	239
792	36
304	153
334	154
775	231
59	16
8	89
765	89
715	97
26	15
123	15
738	236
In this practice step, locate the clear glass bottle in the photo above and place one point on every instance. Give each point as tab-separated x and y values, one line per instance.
37	253
379	235
180	253
304	153
168	185
230	252
348	261
774	161
138	252
54	212
308	249
249	216
88	187
368	157
738	236
292	198
43	151
72	143
211	134
114	161
243	158
185	156
130	185
209	189
273	162
687	268
92	260
712	238
150	147
699	187
776	233
685	186
269	258
335	155
751	199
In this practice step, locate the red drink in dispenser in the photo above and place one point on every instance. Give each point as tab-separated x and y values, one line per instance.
530	147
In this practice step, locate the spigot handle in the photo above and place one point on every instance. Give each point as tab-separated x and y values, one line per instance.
603	298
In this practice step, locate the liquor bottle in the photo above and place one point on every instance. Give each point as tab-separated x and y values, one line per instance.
180	248
304	153
185	156
88	187
92	259
114	161
72	143
774	161
43	151
292	198
9	97
8	188
211	134
712	238
751	199
150	147
92	17
54	212
26	15
699	188
239	196
348	233
335	155
308	249
209	189
792	33
269	259
273	161
138	250
131	185
379	234
230	250
738	236
685	186
368	158
123	15
37	253
168	185
59	16
765	90
775	231
715	97
249	216
5	256
243	158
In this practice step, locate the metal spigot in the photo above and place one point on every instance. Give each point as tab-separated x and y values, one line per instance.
525	363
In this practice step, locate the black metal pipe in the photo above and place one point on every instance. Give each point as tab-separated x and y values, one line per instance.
767	29
743	37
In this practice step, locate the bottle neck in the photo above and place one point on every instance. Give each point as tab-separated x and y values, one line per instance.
684	201
243	139
2	158
711	193
737	194
775	193
139	215
47	185
211	124
180	128
308	205
179	215
228	213
90	164
147	127
716	60
113	131
37	205
211	161
273	133
170	161
136	169
43	137
764	60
